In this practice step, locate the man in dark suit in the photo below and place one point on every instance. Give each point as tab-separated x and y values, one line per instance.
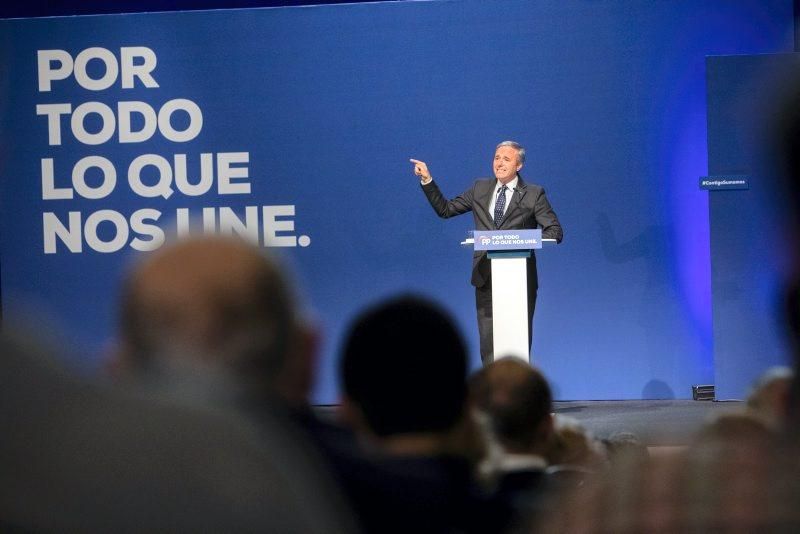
504	202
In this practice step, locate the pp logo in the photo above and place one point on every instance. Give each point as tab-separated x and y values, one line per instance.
486	240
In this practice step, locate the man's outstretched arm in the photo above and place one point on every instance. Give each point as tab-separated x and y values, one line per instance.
443	207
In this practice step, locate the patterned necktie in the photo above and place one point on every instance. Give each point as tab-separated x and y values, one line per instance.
500	206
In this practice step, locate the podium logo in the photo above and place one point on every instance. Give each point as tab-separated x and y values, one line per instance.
486	240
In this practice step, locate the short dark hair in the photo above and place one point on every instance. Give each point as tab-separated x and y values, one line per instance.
515	397
404	365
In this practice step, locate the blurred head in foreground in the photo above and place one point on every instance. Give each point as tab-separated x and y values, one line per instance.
517	400
785	148
769	398
403	370
216	304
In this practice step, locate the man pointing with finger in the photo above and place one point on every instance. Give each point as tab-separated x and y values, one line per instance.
504	202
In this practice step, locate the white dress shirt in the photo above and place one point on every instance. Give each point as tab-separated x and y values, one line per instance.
509	193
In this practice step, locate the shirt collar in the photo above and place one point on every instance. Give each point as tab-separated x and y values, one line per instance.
511	185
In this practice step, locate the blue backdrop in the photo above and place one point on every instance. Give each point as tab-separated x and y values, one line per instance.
330	102
748	247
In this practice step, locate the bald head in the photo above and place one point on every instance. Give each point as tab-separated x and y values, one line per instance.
211	300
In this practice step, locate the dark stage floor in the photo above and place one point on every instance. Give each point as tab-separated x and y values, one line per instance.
657	422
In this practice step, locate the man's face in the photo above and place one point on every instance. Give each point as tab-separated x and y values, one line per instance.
506	163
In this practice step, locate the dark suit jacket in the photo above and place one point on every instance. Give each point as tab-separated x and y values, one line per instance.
529	209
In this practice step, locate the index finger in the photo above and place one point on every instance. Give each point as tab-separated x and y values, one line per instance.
416	161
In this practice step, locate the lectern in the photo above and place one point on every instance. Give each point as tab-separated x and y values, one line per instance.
508	250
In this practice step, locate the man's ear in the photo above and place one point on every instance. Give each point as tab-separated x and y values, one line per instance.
298	375
546	426
351	415
118	363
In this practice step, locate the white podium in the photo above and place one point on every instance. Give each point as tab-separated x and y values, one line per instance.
510	304
509	250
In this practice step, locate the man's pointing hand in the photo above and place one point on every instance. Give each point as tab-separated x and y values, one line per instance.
421	170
